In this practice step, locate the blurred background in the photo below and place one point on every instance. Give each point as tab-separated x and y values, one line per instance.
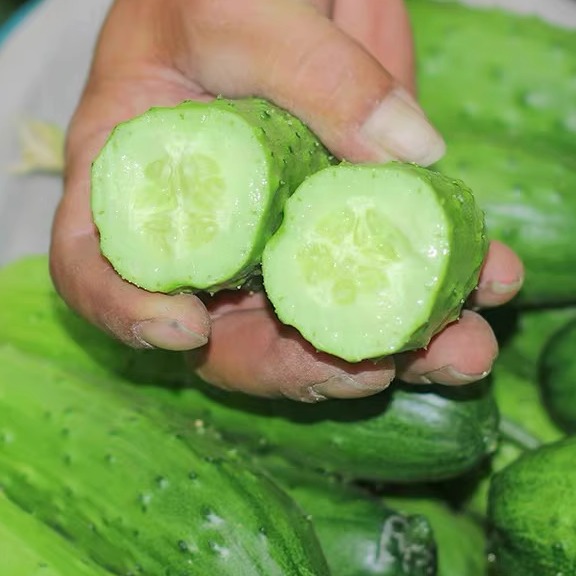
7	6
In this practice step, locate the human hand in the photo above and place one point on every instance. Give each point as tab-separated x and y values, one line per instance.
337	65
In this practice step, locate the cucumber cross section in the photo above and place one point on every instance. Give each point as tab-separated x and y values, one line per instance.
372	260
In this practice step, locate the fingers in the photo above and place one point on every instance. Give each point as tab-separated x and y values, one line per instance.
295	56
501	278
250	351
462	353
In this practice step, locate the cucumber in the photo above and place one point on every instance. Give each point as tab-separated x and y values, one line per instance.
557	376
473	73
359	533
460	539
30	548
532	504
406	433
134	489
372	260
524	192
185	197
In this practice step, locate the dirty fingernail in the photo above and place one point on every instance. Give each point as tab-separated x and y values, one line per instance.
449	375
398	129
167	334
343	386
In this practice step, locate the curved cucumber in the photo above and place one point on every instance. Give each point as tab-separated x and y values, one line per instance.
185	198
371	260
133	488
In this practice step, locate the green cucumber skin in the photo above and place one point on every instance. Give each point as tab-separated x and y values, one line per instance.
405	434
557	373
402	434
509	128
467	243
360	534
532	513
494	90
524	194
292	152
460	538
30	548
134	490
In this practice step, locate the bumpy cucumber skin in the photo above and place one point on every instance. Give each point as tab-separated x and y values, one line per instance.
557	376
526	194
405	434
29	547
510	128
532	513
133	490
460	539
359	533
467	244
292	152
473	72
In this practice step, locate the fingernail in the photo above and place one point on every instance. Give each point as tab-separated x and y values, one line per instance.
449	375
343	386
505	288
167	334
399	129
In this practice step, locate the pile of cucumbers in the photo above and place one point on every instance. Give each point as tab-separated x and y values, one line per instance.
115	461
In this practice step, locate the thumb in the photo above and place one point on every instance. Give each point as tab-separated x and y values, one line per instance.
293	55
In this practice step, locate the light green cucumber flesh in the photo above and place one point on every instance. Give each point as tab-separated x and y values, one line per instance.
371	260
184	198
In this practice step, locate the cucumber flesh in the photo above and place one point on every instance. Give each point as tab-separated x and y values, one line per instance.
371	260
185	198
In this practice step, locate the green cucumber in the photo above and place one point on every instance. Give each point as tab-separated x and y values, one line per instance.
371	260
473	73
359	533
460	539
557	376
185	197
532	513
134	489
406	433
524	193
29	547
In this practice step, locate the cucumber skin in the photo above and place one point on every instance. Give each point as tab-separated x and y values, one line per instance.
460	539
468	247
401	434
532	513
557	373
134	490
525	194
30	548
293	152
509	128
493	90
360	534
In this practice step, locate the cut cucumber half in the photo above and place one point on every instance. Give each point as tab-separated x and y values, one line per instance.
371	260
185	198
